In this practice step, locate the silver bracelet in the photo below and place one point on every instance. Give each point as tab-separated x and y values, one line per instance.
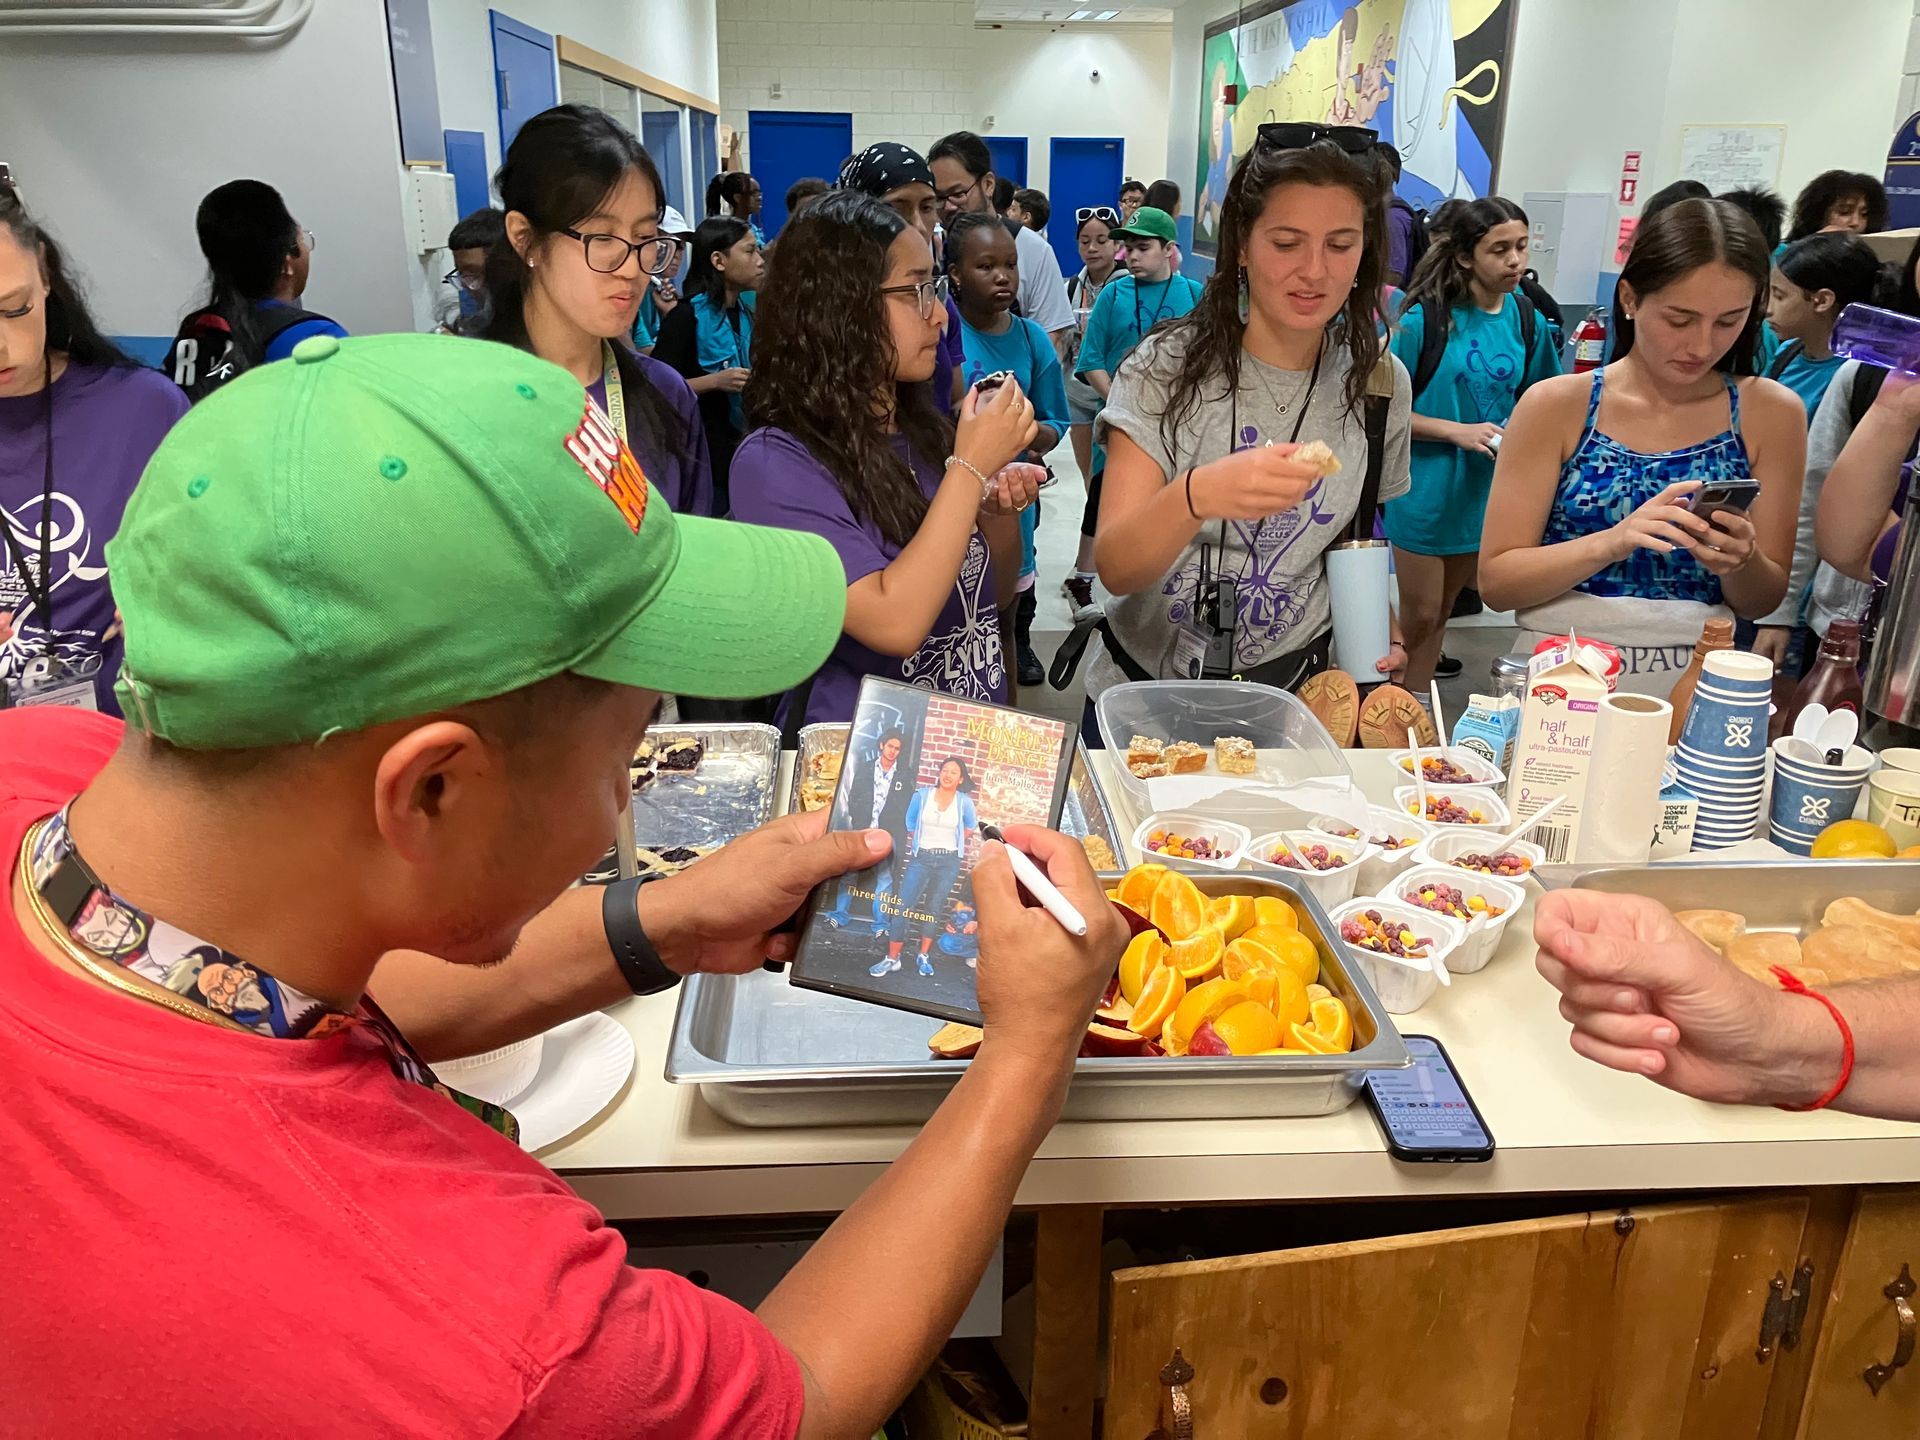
986	485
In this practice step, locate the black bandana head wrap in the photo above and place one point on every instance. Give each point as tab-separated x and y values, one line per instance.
884	167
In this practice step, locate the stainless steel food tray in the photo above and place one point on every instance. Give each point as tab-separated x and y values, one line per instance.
1086	811
812	740
729	794
768	1054
1772	894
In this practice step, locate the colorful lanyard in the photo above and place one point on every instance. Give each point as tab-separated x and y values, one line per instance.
616	396
227	991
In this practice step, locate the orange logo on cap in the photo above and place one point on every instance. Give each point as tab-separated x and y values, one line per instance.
611	465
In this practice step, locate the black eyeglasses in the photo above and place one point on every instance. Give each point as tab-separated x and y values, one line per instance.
469	283
608	253
1298	134
1095	212
927	291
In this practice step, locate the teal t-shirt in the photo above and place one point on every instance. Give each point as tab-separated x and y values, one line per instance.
1806	378
646	322
1024	350
1483	372
1121	318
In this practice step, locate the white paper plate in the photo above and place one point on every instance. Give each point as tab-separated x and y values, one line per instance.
583	1066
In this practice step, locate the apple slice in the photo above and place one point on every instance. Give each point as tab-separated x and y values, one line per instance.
1115	1012
1112	1040
956	1042
1206	1041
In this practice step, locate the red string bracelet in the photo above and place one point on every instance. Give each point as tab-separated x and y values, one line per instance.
1793	985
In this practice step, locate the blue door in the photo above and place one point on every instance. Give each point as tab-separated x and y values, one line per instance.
524	79
660	132
1086	173
467	162
1009	157
789	145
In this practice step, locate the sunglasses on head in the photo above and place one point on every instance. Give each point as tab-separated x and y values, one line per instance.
1298	134
1096	212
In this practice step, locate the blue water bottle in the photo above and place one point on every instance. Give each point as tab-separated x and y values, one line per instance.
1878	337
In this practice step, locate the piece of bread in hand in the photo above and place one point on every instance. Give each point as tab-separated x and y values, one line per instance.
1318	455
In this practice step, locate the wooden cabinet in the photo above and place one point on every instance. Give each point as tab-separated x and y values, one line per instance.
1864	1329
1643	1324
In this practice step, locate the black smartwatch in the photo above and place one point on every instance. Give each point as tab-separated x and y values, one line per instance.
640	963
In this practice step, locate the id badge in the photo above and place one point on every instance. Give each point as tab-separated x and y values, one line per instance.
48	681
1190	642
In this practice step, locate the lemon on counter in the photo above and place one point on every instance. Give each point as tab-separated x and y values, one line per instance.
1854	840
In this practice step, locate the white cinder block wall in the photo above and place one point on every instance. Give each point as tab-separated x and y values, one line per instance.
902	68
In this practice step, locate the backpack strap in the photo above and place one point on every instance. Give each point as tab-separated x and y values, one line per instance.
1433	345
1783	357
1379	400
1529	327
1865	389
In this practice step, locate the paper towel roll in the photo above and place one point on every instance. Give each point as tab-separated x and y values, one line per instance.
1622	809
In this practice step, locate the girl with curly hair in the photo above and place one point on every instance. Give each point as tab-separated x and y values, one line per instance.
850	446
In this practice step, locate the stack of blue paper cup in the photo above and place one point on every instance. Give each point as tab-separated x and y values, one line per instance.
1722	756
1809	794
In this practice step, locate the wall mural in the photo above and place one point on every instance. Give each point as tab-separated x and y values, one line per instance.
1427	74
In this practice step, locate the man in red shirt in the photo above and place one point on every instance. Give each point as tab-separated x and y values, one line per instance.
397	613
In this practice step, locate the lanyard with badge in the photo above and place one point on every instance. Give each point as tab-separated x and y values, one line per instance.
1203	643
47	679
616	395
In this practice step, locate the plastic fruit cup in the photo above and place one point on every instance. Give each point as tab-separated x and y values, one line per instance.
1402	985
1329	887
1483	931
1470	797
1378	869
1481	770
1229	840
1451	843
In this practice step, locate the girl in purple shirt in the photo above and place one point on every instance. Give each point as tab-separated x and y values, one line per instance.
851	447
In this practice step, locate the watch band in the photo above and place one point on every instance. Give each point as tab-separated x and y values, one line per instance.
640	963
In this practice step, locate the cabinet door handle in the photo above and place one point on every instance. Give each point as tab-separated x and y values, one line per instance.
1175	1376
1900	1292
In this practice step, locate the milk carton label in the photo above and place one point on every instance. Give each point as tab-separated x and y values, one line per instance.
1553	753
1673	835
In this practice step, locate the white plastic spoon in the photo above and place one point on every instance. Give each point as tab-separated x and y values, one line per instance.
1419	773
1837	732
1542	813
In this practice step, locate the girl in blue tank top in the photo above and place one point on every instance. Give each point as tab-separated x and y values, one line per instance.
1588	525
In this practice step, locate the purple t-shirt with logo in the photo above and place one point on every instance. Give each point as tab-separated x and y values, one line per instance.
949	357
776	481
107	421
684	480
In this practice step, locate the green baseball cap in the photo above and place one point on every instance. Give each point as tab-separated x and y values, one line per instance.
1148	224
384	527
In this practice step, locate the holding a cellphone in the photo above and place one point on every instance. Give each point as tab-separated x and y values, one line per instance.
1425	1111
1721	495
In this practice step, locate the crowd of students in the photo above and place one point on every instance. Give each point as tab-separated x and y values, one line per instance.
833	383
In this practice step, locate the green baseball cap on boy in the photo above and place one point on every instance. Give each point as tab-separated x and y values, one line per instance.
383	527
1148	224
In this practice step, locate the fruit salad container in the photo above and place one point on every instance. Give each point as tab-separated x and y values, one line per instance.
1455	847
764	1053
1458	761
1342	861
1480	895
1221	843
1495	818
1402	984
1394	835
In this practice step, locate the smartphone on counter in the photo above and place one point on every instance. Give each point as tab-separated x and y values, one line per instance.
1425	1111
1718	495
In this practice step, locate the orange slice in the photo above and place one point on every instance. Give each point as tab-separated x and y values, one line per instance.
1166	987
1203	1002
1136	887
1264	986
1171	1043
1314	1041
1289	948
1248	1028
1272	910
1145	953
1244	960
1232	915
1113	895
1286	1050
1178	906
1333	1024
1289	1002
1318	992
1198	956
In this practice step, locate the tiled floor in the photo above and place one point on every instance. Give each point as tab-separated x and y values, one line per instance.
1474	642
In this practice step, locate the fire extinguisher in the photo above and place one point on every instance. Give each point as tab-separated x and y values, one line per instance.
1590	343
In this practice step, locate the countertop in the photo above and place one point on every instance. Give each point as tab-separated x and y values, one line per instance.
1560	1124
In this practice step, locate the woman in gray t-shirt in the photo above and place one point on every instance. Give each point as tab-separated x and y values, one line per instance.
1283	348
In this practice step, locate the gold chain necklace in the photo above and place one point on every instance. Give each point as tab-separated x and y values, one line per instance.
78	954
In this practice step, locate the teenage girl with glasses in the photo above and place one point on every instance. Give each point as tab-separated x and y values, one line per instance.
582	198
849	445
709	339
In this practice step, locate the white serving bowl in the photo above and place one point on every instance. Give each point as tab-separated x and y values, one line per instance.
1329	887
1499	819
1483	931
497	1076
1484	771
1230	839
1402	985
1447	847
